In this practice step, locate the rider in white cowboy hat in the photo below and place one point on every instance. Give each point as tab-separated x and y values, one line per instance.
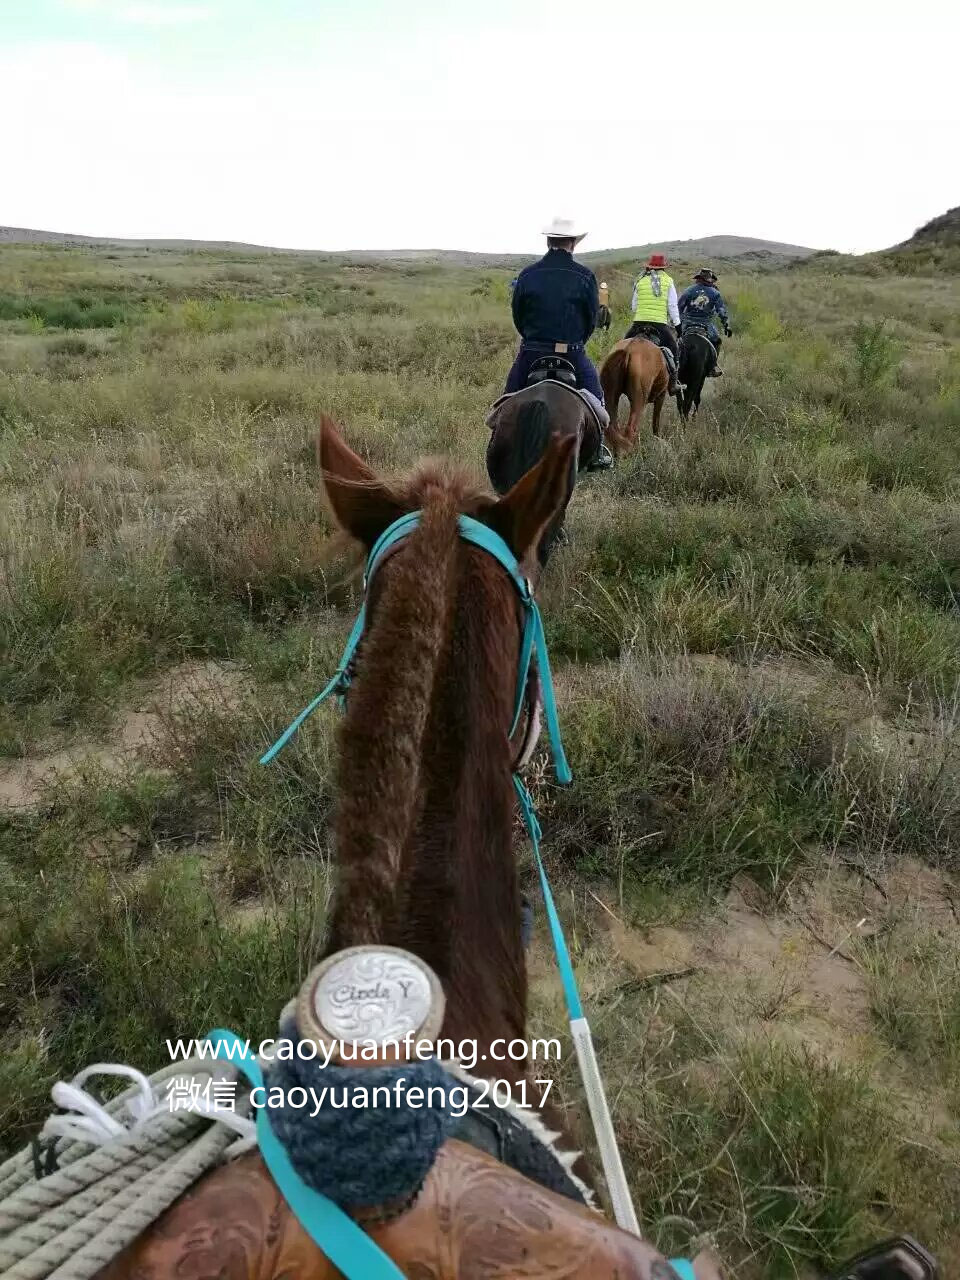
563	229
555	304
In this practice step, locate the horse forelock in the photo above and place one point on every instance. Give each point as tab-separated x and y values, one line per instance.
438	482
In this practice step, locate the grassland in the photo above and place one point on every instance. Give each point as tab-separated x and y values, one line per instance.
757	635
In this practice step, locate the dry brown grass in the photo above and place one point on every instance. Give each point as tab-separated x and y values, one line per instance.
756	629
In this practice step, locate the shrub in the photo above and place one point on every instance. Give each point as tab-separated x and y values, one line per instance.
751	316
264	545
62	312
71	347
876	354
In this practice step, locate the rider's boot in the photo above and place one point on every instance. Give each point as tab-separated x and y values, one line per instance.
901	1259
604	459
671	363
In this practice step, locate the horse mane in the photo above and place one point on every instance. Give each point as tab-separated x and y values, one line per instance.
425	801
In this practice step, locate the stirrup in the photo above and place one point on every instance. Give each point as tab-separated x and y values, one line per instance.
603	461
899	1259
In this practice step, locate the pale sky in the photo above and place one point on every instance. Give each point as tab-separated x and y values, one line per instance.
448	124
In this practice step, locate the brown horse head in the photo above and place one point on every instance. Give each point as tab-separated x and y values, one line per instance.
425	796
634	368
522	427
425	862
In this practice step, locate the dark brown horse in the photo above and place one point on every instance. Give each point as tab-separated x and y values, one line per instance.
425	860
521	430
698	357
634	368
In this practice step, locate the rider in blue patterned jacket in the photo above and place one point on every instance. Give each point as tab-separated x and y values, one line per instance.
699	305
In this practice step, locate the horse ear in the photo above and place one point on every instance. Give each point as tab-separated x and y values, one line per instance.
522	515
362	504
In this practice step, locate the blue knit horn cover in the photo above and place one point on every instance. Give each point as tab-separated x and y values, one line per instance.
361	1156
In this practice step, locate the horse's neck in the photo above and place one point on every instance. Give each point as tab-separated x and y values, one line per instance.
425	819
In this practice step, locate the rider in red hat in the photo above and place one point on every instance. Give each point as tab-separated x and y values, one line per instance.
655	312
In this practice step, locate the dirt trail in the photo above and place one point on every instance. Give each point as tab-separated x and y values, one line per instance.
787	971
797	972
24	782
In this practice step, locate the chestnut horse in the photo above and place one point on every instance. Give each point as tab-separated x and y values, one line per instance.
425	862
635	368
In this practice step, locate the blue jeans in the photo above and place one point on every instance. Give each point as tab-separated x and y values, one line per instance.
587	376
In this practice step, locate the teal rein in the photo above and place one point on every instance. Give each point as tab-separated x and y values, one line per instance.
570	990
345	1243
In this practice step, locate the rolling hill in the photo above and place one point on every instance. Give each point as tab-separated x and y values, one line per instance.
933	249
943	230
744	249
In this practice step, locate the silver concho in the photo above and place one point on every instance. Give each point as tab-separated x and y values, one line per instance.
372	994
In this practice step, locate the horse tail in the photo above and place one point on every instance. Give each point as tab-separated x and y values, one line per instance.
701	356
527	445
613	380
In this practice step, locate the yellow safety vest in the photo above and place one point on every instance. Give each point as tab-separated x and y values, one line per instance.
649	306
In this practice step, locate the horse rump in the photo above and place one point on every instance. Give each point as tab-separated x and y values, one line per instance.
698	356
518	442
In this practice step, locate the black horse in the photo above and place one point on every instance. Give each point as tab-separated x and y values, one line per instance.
521	428
698	359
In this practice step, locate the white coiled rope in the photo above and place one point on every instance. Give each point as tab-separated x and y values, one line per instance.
118	1167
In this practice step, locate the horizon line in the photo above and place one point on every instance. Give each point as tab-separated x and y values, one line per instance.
274	248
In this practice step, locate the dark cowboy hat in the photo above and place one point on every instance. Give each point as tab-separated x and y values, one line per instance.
705	274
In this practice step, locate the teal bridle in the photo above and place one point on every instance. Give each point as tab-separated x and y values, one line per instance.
533	640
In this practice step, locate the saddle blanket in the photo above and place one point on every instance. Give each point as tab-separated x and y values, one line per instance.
601	417
700	332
